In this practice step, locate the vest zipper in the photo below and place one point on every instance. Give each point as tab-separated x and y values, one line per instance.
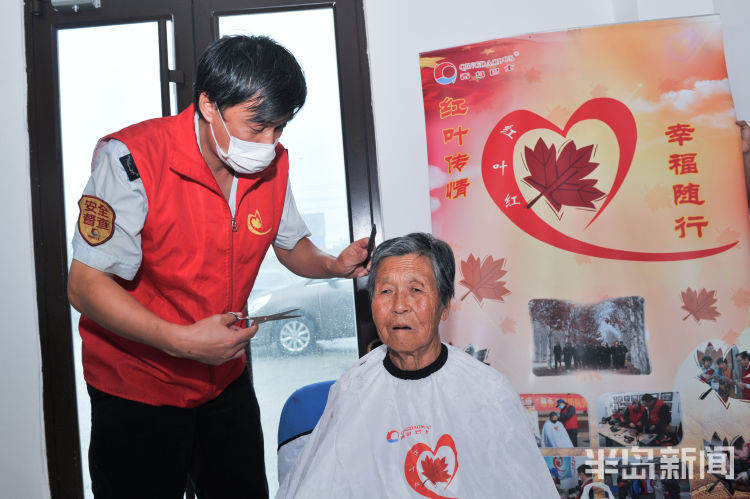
231	261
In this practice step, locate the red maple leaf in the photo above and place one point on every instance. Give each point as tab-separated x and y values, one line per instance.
483	280
741	298
728	236
559	114
561	179
508	325
700	305
599	91
658	197
435	470
582	259
533	75
731	337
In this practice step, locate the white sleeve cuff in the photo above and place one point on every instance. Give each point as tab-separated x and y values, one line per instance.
102	261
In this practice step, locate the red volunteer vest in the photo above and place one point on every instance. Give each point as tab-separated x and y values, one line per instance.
707	375
653	414
580	492
635	416
746	380
572	423
197	262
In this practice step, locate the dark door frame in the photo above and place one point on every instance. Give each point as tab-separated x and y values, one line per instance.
48	212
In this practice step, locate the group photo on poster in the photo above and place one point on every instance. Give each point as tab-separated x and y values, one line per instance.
639	419
727	374
609	335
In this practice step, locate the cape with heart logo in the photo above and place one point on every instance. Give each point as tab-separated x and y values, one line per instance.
458	432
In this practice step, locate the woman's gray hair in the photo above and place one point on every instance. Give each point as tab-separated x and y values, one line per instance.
421	244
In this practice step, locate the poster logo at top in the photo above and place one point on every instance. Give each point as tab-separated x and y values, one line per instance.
445	73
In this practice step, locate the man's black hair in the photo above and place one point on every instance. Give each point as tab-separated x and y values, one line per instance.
648	398
707	357
236	69
744	355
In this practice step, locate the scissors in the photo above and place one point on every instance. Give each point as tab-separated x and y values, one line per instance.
260	319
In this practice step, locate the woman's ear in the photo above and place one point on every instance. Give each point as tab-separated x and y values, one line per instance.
446	311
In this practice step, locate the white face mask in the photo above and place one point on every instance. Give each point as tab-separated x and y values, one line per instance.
244	156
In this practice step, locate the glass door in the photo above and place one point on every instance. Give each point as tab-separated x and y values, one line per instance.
109	78
94	71
322	343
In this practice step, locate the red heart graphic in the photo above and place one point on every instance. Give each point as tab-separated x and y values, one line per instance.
498	150
411	465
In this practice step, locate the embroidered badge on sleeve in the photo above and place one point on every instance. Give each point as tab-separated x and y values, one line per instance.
129	164
96	220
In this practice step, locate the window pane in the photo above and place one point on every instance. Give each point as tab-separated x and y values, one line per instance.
321	344
109	78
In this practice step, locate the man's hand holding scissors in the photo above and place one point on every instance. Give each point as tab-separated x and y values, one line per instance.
214	340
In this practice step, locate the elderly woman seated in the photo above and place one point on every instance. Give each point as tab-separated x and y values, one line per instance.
415	417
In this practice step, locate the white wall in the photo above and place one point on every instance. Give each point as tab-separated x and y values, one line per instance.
397	31
23	465
735	20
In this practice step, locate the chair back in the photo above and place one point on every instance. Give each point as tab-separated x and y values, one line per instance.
300	414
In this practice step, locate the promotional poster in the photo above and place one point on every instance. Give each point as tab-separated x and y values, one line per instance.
590	183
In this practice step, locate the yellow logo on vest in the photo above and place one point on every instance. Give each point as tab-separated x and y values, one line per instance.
96	220
255	224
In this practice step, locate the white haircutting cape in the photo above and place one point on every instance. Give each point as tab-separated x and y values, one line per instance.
453	429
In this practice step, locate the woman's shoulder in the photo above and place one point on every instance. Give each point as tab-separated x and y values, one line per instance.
364	368
464	365
466	361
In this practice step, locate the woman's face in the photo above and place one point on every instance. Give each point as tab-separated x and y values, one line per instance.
406	304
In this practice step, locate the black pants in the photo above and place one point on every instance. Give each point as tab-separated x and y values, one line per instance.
144	451
573	434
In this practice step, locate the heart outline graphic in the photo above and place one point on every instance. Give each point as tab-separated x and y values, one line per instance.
411	462
499	148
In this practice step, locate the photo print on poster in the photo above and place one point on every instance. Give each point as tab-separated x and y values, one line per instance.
716	416
563	470
639	419
560	420
734	481
609	335
726	372
644	475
